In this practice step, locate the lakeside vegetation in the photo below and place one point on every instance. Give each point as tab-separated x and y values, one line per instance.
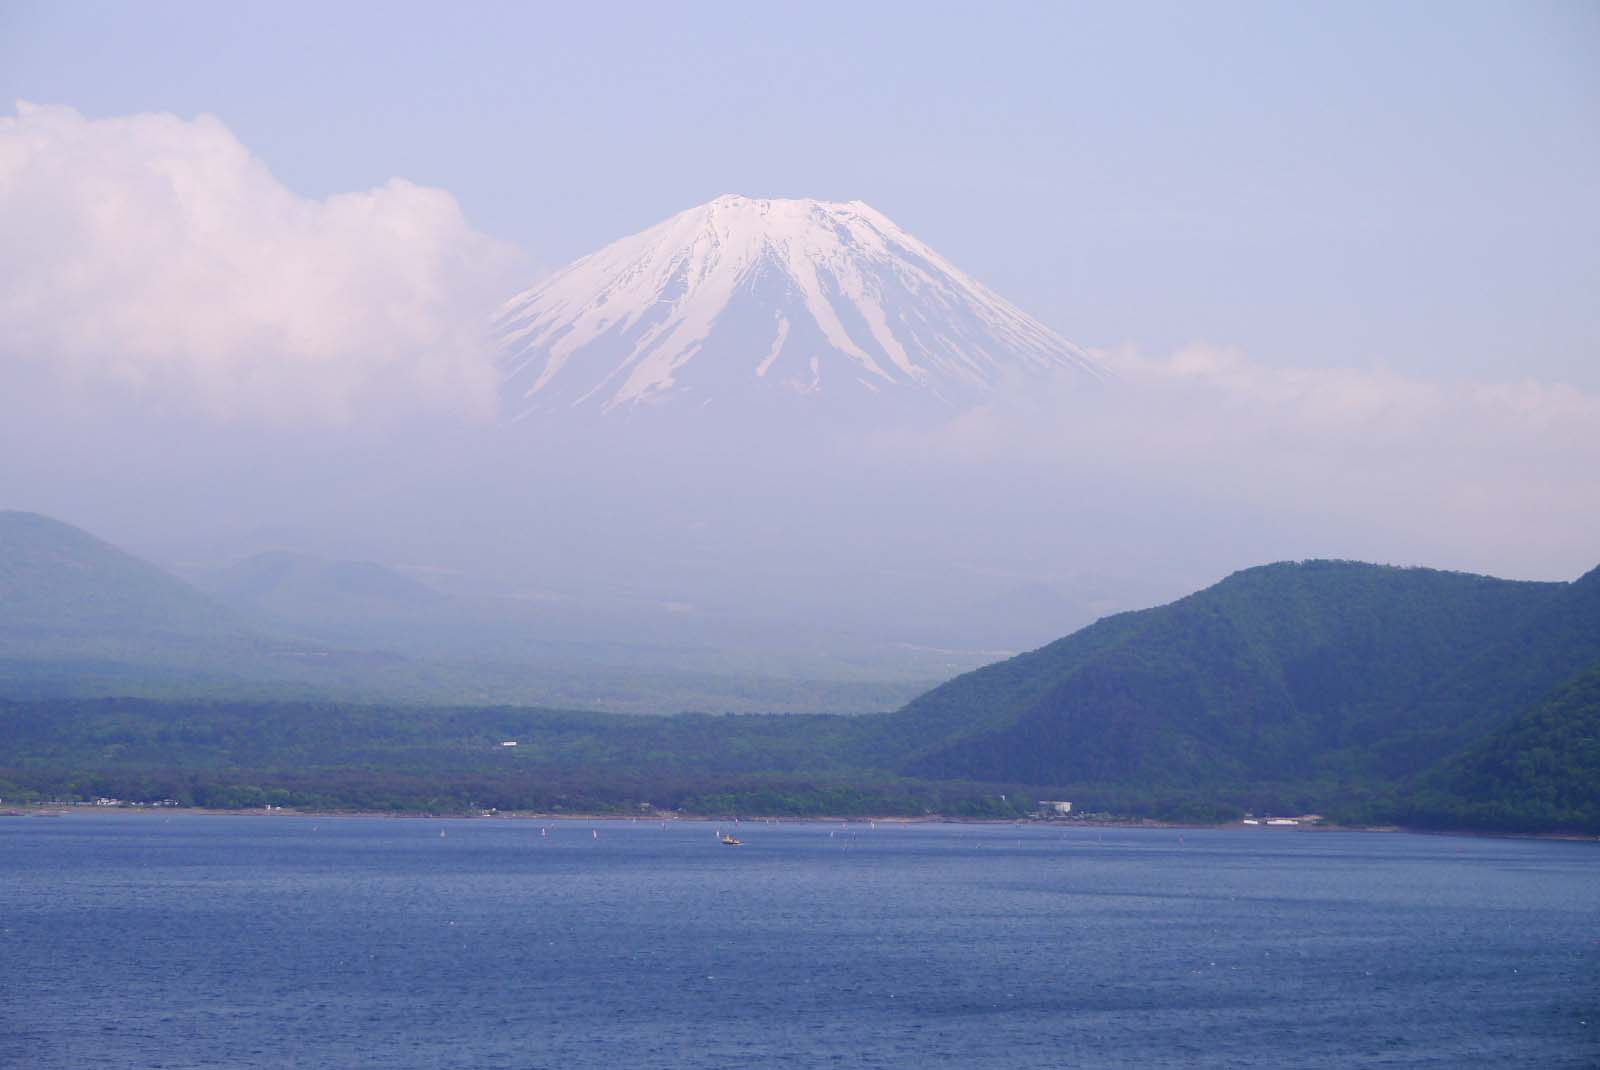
398	759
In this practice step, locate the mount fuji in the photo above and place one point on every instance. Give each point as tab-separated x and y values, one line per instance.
803	303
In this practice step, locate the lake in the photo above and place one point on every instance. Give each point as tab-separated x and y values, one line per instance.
182	940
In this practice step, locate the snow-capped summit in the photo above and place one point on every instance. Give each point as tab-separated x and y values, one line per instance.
744	296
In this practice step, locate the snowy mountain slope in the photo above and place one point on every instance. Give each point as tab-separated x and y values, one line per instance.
742	298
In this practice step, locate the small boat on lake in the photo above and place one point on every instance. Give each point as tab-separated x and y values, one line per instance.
729	841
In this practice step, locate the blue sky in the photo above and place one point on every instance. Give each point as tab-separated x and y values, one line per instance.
1410	186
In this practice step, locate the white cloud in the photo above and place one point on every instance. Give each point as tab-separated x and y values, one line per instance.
154	254
1497	476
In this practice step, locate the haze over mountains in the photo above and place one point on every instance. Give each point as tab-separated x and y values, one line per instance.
78	616
790	437
702	452
747	466
720	415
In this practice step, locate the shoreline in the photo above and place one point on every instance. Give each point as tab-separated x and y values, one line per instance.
57	810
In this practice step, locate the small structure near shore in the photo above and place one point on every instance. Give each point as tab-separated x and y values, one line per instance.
1049	808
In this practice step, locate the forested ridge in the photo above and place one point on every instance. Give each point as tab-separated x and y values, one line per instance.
1540	771
1313	671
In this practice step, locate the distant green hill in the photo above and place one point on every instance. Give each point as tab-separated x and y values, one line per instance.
1321	670
59	582
296	585
1541	772
80	618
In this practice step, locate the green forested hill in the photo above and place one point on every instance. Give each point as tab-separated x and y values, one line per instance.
1478	695
1321	670
81	618
58	583
1540	772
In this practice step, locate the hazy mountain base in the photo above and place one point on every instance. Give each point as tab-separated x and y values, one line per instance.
79	617
343	676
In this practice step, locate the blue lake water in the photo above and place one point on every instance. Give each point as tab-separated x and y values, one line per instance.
151	940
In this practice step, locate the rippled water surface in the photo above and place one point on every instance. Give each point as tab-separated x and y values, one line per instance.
150	940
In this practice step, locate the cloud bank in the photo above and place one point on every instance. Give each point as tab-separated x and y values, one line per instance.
1493	475
154	257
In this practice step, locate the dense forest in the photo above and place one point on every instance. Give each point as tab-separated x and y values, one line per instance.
1322	671
445	760
1540	771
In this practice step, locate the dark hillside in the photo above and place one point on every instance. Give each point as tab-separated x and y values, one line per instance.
1541	772
1287	671
1476	697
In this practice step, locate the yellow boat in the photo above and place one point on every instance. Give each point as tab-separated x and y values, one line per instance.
729	841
